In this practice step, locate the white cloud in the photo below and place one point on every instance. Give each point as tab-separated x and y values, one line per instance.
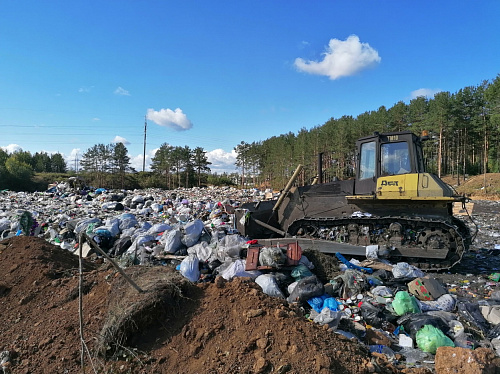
119	139
85	89
11	148
174	119
222	161
73	159
95	119
121	92
426	92
341	59
136	161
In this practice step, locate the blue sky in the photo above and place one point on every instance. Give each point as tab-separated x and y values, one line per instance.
211	74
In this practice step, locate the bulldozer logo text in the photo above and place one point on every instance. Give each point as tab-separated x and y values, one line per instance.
390	183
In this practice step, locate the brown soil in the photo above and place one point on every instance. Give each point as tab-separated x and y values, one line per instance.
173	326
479	187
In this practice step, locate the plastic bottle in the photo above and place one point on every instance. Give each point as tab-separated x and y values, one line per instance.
379	348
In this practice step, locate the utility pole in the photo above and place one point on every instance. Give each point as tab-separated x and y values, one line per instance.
76	163
144	153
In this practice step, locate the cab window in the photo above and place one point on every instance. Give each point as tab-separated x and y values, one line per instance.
395	158
367	161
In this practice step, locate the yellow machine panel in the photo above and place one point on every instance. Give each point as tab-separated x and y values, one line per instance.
412	186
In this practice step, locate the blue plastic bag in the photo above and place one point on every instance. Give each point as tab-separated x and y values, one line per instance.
190	268
317	302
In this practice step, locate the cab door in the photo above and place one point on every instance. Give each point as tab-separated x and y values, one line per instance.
366	179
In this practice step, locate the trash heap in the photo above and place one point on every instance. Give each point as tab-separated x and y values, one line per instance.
396	310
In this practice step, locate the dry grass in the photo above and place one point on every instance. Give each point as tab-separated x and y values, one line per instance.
474	187
131	312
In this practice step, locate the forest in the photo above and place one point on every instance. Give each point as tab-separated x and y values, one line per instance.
465	140
464	127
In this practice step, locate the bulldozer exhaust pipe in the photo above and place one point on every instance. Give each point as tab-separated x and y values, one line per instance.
287	188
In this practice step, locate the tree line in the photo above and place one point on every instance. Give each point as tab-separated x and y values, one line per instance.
18	167
465	140
171	167
464	128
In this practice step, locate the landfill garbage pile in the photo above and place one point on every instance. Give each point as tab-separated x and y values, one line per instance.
214	301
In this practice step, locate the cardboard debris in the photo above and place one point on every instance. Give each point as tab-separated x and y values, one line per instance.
426	289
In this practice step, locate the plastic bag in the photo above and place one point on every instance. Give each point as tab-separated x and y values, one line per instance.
317	302
269	285
231	269
305	261
328	317
128	223
193	232
103	238
139	241
405	303
471	314
405	270
190	269
429	338
382	291
301	271
120	246
371	314
229	247
159	227
445	303
372	252
291	287
272	256
172	241
331	303
305	289
412	323
414	355
202	251
82	225
4	224
113	225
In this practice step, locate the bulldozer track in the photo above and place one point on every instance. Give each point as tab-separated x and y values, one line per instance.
435	244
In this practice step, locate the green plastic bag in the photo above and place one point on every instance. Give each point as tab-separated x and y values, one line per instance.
405	303
301	271
429	338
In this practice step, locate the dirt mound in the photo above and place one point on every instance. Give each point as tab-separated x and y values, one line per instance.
133	316
477	186
174	326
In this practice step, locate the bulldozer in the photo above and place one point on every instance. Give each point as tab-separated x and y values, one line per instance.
392	206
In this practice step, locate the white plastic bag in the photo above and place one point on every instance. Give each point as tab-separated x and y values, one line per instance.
190	268
159	227
193	232
405	270
201	250
328	317
372	252
445	303
172	241
272	256
229	247
237	269
269	285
